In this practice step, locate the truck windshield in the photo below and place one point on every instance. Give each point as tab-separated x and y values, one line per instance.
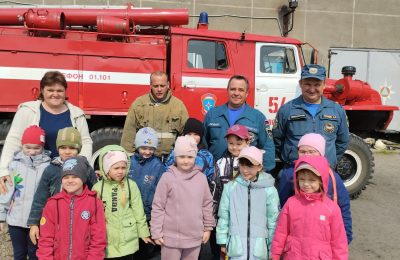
206	55
277	59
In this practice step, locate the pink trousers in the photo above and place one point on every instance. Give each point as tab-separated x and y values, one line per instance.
171	253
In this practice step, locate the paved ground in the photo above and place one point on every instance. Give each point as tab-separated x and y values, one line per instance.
376	221
376	213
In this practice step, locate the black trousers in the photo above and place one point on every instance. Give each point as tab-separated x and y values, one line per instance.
126	257
147	251
22	244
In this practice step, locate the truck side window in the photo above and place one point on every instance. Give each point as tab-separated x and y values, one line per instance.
206	55
277	59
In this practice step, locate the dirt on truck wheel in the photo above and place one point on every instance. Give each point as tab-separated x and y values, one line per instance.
102	137
356	167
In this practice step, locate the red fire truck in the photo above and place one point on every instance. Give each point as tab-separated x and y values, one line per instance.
107	56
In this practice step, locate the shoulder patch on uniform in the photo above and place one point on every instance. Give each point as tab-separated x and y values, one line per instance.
42	221
298	117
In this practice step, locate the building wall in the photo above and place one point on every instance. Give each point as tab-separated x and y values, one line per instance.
323	23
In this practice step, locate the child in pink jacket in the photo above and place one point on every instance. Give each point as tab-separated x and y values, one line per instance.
310	225
181	216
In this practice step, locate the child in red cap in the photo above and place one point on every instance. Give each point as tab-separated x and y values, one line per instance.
26	168
226	168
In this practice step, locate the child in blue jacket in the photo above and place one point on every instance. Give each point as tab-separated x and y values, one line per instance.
146	170
313	144
204	158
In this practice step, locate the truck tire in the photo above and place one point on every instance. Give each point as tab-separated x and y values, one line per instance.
102	137
356	167
4	128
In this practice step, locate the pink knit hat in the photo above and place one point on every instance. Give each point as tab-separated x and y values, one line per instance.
314	140
185	145
111	158
253	154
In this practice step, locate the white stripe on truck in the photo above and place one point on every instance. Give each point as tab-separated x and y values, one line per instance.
87	76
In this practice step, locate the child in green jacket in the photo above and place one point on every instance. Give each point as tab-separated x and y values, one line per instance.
125	218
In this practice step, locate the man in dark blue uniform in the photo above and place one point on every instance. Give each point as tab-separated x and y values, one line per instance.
311	113
236	111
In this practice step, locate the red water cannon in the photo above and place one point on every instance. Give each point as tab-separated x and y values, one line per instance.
350	92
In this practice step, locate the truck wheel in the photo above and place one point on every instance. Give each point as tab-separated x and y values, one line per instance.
356	166
4	128
102	137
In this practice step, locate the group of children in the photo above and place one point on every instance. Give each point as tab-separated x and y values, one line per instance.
140	205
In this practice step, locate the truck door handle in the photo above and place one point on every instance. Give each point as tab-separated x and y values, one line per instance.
190	84
124	96
35	93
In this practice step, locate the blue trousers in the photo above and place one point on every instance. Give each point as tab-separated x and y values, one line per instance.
22	244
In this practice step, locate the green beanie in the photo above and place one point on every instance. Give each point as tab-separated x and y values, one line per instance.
69	136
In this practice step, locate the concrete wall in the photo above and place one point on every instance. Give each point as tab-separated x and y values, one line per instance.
323	23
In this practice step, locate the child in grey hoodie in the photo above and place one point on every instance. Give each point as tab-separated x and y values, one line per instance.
26	169
181	216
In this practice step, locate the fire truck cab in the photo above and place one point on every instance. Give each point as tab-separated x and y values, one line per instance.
107	56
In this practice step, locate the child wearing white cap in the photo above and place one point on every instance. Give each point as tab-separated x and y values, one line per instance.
248	210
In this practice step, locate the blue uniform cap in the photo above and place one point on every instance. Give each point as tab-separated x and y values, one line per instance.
313	71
